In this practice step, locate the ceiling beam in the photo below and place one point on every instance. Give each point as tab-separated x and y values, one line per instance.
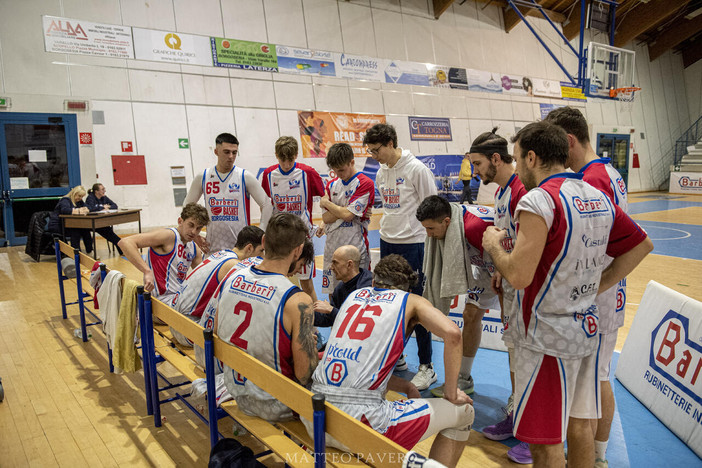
441	6
692	53
644	16
512	19
675	35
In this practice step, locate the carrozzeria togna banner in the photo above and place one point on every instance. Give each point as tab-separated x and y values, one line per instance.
661	363
431	129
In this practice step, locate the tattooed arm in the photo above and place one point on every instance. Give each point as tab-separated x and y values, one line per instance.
299	313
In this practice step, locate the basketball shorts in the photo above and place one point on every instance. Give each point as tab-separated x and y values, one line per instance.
483	298
605	352
549	390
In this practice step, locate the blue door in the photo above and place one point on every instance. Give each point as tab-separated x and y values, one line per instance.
39	164
615	147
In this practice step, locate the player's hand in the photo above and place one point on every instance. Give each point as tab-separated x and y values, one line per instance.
202	243
323	307
492	237
324	201
496	283
461	398
149	281
321	230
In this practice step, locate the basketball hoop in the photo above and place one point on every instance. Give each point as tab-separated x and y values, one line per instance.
625	96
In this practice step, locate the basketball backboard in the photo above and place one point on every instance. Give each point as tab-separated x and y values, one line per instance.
607	68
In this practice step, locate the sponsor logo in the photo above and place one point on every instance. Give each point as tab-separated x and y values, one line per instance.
253	288
223	206
67	29
507	244
588	320
688	182
234	187
621	296
172	41
391	198
400	180
350	354
590	242
589	263
501	210
621	185
590	205
288	203
293	183
583	290
336	372
478	261
482	210
357	62
677	357
358	206
348	193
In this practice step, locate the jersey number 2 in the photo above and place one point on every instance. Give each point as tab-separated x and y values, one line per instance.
362	326
236	338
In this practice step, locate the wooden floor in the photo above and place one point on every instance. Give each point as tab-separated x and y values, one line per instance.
63	408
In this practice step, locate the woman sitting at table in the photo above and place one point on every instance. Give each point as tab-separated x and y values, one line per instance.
72	203
98	201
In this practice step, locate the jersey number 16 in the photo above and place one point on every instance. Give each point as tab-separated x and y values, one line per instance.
362	326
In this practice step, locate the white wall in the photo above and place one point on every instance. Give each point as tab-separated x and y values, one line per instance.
154	104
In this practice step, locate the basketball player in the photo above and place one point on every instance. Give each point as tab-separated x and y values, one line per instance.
292	187
346	210
262	313
201	283
170	253
435	215
557	276
493	163
366	341
599	173
227	191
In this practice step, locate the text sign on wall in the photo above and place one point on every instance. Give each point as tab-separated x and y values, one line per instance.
492	328
162	46
661	362
320	130
232	53
685	182
435	129
70	36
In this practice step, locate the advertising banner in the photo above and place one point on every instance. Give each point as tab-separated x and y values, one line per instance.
434	129
571	92
484	81
163	46
246	55
70	36
448	77
297	61
493	329
408	73
661	361
547	88
359	67
446	168
545	109
521	85
685	182
320	130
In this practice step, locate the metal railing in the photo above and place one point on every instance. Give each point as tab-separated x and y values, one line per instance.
690	137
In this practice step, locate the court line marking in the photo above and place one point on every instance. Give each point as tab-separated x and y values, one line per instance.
687	234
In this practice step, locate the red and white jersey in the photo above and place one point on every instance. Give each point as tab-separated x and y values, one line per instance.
476	220
200	285
250	316
506	200
357	195
170	269
611	303
365	342
293	191
557	311
228	205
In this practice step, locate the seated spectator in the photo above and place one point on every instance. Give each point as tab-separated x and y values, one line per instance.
72	203
262	313
171	251
345	266
98	201
201	283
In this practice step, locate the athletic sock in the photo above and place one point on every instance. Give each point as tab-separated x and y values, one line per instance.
600	449
466	366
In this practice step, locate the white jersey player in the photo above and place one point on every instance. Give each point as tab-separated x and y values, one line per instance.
227	190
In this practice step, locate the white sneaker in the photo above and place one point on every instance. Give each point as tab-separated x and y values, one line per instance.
464	383
401	364
425	377
600	463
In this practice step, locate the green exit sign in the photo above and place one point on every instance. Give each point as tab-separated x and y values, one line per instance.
4	102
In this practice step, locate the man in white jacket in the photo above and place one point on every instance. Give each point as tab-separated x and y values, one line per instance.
403	182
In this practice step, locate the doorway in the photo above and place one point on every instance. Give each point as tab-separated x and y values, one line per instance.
615	147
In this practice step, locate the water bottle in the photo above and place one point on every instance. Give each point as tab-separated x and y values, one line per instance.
238	429
79	334
415	460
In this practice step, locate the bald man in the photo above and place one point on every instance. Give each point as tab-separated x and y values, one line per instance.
345	266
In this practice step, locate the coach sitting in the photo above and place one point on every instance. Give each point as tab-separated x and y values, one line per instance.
345	266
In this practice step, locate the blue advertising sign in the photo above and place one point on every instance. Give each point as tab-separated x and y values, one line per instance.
546	108
426	128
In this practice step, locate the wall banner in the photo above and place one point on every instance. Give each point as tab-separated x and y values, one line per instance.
434	129
359	67
163	46
320	130
407	73
546	108
484	81
233	53
297	61
521	85
661	361
685	182
71	36
492	327
447	77
547	88
571	92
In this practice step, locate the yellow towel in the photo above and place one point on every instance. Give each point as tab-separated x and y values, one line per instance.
125	355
